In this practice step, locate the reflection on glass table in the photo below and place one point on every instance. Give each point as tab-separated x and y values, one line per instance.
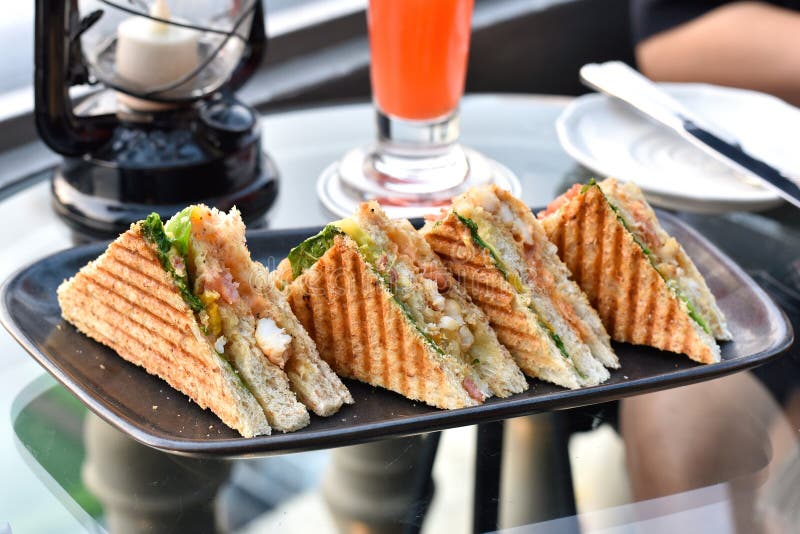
694	481
717	456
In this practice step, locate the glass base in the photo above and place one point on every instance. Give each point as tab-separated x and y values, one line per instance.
423	186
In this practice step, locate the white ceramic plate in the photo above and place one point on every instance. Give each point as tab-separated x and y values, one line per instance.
613	140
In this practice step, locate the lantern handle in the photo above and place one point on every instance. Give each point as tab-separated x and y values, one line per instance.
254	51
58	63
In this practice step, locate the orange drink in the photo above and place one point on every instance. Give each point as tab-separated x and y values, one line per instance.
419	54
416	165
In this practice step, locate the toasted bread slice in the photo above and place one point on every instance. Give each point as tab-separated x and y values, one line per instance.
265	379
545	271
631	296
517	326
669	257
311	379
363	332
128	302
477	343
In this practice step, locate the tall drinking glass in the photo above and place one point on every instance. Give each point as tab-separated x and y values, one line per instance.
419	52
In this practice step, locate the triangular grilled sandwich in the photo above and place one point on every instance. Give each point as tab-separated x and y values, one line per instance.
499	252
645	287
477	341
383	310
186	302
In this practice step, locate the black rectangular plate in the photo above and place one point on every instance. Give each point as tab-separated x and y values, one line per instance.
150	411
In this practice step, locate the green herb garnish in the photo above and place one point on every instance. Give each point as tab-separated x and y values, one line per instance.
229	366
693	313
558	343
624	224
306	254
402	305
555	337
435	346
473	229
587	186
153	231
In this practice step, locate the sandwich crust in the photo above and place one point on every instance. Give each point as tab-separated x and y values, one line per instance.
632	299
546	273
128	302
481	351
363	333
311	379
516	326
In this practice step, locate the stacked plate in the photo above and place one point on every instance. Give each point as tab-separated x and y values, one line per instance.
612	139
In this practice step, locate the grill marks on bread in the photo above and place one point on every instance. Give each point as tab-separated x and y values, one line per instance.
363	334
126	301
474	268
630	296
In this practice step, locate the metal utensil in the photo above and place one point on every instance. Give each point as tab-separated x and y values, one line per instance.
620	81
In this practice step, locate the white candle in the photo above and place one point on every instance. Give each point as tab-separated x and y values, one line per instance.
151	53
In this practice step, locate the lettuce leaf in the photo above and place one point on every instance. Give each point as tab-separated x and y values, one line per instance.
179	228
306	254
153	231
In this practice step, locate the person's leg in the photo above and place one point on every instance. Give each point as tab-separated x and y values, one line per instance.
777	501
699	435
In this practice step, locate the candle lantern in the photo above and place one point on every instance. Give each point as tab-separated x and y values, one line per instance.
159	126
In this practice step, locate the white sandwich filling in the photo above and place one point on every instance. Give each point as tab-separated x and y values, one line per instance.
219	344
272	340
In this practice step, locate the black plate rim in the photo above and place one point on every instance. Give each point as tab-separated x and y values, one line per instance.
495	409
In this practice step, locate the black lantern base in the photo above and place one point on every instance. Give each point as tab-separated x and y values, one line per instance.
210	153
93	217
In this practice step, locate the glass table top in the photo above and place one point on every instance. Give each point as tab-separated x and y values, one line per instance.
716	456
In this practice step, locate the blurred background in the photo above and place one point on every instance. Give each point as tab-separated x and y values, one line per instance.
318	52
